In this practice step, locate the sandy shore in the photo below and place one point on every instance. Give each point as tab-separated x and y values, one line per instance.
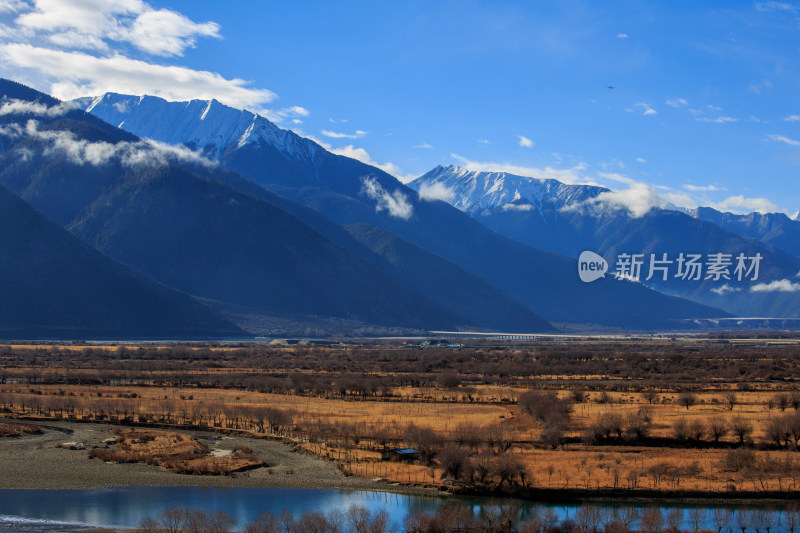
35	462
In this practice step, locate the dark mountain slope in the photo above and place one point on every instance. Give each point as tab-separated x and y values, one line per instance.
776	229
207	239
55	286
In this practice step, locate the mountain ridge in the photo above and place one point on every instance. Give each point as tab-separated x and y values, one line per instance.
349	192
216	236
55	286
564	223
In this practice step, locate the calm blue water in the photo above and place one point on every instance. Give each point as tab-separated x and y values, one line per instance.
37	511
124	506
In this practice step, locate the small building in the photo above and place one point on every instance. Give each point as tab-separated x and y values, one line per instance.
402	455
440	343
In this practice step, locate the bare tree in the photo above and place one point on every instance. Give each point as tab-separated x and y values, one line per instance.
358	518
781	400
721	518
791	517
589	518
742	428
674	519
717	428
506	467
697	428
681	430
687	399
763	519
696	518
172	519
265	522
651	519
731	399
148	525
744	519
650	396
454	461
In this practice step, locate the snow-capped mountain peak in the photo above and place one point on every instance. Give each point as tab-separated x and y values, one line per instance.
478	192
207	125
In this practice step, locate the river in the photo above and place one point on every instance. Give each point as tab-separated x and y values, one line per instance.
38	511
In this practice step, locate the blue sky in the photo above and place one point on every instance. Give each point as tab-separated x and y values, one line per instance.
705	107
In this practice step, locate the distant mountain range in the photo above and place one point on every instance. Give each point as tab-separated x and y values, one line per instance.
390	220
569	219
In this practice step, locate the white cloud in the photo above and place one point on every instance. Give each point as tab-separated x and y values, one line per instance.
741	204
73	48
395	203
436	191
677	102
286	113
638	199
22	107
570	176
484	141
717	120
725	289
82	41
297	110
83	152
784	140
702	188
90	22
792	118
525	142
423	145
336	135
641	160
622	36
13	6
783	285
775	6
360	154
644	108
759	87
517	207
167	33
81	74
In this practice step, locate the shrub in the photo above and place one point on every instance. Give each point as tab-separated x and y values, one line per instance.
739	459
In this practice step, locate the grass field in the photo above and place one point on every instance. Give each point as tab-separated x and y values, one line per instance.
466	417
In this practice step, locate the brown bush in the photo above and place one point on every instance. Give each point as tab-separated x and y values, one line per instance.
740	459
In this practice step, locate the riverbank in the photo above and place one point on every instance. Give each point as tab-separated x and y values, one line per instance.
46	461
37	462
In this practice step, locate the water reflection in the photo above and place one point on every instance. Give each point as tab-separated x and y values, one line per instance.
124	507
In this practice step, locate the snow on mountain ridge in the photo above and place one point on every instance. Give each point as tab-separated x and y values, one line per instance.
477	192
207	125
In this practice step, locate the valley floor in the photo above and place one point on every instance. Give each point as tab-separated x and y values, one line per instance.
36	462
